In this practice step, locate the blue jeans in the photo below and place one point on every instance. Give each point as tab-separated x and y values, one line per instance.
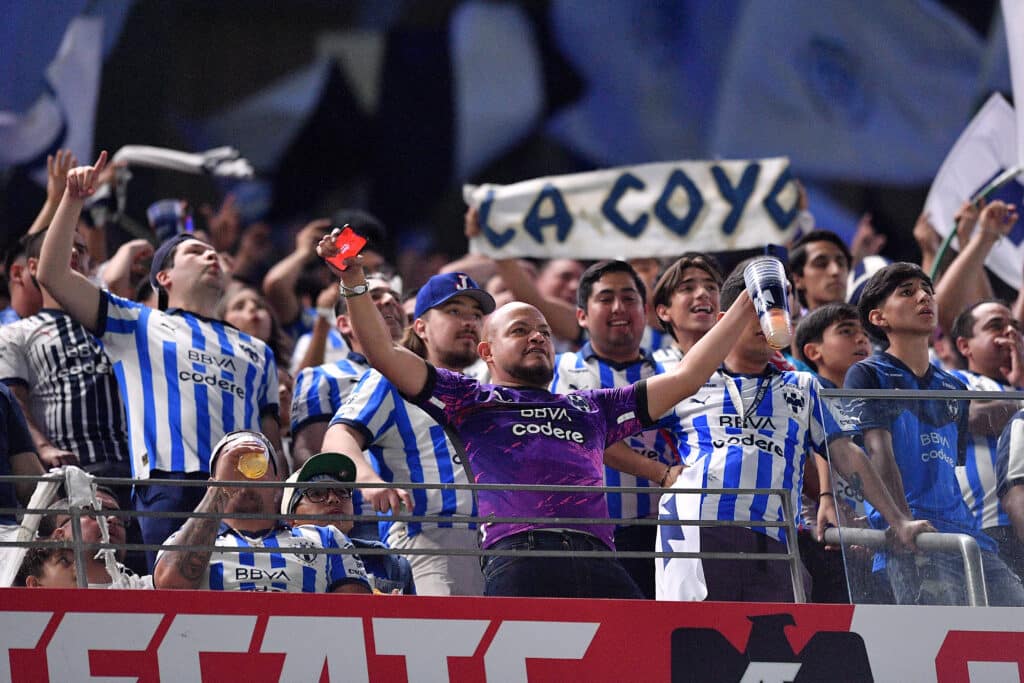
938	579
162	498
556	577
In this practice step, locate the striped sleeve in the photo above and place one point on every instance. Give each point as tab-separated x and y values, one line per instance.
14	367
341	568
370	407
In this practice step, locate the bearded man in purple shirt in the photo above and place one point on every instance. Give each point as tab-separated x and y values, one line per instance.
515	431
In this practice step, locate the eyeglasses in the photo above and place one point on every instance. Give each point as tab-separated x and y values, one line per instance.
321	496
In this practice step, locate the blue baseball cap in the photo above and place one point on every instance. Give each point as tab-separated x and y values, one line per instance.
441	288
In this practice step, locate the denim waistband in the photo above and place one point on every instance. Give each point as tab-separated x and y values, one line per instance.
552	539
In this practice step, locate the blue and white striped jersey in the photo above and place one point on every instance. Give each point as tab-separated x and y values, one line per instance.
185	381
1010	463
72	392
407	445
655	338
238	569
583	369
320	391
668	357
977	476
335	349
754	431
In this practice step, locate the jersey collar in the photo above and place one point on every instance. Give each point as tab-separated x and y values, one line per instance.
587	353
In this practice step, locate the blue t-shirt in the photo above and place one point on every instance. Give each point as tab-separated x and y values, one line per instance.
14	439
929	438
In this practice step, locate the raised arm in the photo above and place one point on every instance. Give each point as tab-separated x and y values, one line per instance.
185	568
965	281
664	391
560	315
79	297
341	438
406	370
279	282
57	167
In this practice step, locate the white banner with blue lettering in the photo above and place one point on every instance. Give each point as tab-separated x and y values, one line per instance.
661	209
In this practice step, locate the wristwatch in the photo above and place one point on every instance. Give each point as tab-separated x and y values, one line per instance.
349	292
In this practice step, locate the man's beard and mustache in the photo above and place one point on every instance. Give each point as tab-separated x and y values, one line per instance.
458	359
538	375
247	501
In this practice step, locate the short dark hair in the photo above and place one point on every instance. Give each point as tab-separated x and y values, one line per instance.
597	271
732	287
673	275
798	253
32	564
33	244
811	328
734	284
963	326
880	286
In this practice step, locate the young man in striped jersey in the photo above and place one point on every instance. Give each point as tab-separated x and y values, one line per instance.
611	307
515	431
291	569
65	383
405	444
320	390
686	301
185	377
917	445
988	338
751	426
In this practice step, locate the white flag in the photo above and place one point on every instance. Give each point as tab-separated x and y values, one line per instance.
986	148
64	116
1013	20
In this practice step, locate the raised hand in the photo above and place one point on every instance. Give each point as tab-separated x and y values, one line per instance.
82	179
925	234
57	167
998	218
866	241
307	238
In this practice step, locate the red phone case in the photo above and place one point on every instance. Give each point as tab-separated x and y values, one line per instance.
349	244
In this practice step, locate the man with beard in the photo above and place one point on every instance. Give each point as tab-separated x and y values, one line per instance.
515	431
186	378
292	567
406	444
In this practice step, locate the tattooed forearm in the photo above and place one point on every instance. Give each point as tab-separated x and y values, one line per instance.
191	565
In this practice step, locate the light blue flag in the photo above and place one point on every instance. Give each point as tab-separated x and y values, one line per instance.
871	92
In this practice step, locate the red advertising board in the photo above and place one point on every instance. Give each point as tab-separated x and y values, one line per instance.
65	635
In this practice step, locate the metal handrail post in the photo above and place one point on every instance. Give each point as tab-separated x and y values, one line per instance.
793	550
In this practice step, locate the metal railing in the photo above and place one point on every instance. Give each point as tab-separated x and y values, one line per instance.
79	546
966	546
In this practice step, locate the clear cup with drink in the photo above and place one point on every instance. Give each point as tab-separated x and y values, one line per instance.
765	278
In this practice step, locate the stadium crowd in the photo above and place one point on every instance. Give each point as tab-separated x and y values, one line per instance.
175	359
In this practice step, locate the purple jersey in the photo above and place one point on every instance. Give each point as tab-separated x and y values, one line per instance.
531	436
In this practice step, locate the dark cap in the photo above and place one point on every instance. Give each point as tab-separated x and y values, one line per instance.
321	467
441	288
161	255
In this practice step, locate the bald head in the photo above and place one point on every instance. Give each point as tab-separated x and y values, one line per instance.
510	311
517	346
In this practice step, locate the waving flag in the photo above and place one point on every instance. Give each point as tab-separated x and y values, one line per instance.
986	148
